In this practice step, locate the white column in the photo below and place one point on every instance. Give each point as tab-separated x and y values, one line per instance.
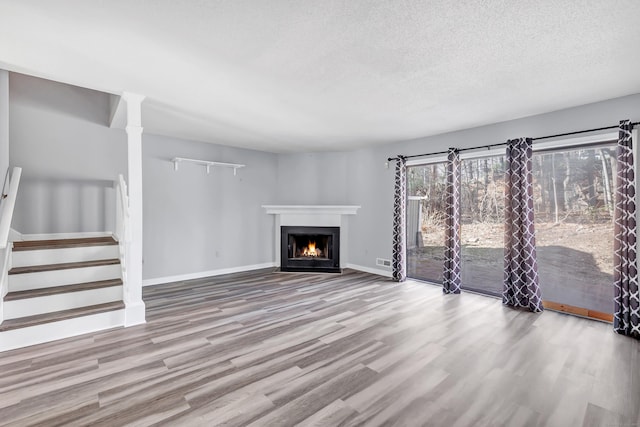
4	123
135	309
4	167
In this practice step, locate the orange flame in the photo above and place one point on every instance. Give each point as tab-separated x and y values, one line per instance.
310	250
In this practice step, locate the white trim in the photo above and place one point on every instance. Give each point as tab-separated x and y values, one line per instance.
55	236
15	309
67	276
210	273
465	155
14	236
538	146
575	141
63	255
426	161
312	209
5	265
23	337
8	205
377	271
117	112
313	216
134	314
133	253
7	262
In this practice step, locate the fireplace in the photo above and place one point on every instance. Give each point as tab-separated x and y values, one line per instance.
310	249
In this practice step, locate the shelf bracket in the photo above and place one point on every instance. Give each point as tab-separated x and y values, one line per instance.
208	164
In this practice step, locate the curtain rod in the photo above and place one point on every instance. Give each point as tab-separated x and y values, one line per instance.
505	143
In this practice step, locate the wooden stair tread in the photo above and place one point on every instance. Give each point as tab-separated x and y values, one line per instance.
55	290
40	319
62	266
31	245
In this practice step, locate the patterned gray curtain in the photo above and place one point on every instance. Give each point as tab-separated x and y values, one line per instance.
451	274
398	266
520	263
626	312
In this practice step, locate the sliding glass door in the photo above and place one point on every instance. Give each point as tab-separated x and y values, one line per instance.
425	221
574	192
482	234
482	223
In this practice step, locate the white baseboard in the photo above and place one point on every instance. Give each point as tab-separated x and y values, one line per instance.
54	236
377	271
210	273
134	314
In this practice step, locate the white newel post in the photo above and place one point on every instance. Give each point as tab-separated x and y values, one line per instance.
135	309
4	123
4	168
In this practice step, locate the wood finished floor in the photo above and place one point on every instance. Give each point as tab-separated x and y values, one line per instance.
279	349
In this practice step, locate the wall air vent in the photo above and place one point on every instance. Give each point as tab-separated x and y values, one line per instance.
381	262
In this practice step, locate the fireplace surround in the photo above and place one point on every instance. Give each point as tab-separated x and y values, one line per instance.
310	249
312	216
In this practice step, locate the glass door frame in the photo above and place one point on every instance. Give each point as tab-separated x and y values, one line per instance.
584	142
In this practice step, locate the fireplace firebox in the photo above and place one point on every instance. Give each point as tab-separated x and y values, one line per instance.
310	249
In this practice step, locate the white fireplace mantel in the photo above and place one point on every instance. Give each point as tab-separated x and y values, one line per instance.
312	209
313	216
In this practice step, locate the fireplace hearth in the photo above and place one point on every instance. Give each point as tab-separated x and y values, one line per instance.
310	249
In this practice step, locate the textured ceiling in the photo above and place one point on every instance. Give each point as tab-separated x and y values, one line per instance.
311	75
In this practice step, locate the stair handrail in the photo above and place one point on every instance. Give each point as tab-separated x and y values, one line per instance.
123	229
7	207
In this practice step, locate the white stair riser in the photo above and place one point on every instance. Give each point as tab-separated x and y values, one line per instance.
50	303
31	335
59	256
47	279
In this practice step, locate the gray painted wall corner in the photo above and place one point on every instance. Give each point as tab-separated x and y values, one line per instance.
197	222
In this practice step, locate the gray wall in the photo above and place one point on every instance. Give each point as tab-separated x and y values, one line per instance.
194	222
69	156
313	178
371	185
345	178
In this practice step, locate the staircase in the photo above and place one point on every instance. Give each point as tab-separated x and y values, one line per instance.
61	288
